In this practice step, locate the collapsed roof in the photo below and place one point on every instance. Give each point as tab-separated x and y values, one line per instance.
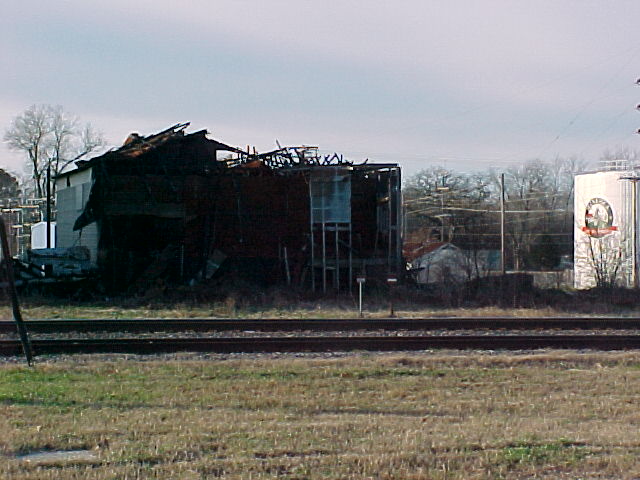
283	157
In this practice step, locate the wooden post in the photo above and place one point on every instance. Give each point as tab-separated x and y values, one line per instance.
13	294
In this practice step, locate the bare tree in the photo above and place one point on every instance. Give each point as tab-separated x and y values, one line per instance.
462	208
50	138
527	193
539	196
441	200
605	254
623	158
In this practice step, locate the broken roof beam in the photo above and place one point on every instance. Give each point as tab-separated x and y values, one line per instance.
287	157
223	146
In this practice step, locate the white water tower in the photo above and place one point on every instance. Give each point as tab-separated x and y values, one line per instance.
605	242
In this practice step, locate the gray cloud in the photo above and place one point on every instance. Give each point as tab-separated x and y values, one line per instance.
475	83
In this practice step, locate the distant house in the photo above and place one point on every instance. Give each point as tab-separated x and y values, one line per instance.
11	215
440	262
9	187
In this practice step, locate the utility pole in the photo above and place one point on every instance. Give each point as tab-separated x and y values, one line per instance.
502	265
49	205
442	216
634	230
442	190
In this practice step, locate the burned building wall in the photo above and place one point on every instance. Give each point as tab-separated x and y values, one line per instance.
167	209
257	217
144	197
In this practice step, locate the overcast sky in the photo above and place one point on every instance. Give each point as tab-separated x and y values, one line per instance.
464	84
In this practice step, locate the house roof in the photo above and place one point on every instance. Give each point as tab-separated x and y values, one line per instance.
136	145
413	250
304	156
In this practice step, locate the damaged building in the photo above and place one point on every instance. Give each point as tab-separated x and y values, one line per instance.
180	207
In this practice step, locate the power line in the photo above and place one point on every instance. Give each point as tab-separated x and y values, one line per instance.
584	107
497	234
512	221
478	210
524	90
513	200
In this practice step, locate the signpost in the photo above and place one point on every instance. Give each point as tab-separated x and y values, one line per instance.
360	279
392	281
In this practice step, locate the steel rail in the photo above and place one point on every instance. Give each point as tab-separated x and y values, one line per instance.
301	324
323	344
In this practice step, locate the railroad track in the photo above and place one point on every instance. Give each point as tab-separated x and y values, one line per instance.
322	344
416	335
302	324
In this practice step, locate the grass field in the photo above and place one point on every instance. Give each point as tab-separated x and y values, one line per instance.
229	309
418	416
312	310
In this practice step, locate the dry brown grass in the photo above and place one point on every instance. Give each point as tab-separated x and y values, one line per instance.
229	310
422	416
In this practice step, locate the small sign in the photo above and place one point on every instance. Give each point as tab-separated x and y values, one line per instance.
392	279
360	279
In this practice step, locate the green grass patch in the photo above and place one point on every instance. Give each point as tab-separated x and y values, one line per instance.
562	451
60	388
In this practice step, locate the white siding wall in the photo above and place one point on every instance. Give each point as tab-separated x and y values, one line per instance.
70	201
618	194
39	235
83	176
